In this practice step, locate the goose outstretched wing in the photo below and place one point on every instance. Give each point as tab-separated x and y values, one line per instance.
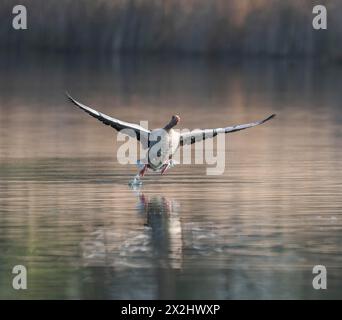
134	131
199	134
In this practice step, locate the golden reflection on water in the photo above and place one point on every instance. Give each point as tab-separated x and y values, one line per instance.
256	231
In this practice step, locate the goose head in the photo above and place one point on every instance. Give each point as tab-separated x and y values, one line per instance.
173	122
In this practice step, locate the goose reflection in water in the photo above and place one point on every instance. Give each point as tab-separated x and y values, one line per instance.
157	242
162	217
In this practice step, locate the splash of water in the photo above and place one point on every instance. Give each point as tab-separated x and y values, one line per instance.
135	182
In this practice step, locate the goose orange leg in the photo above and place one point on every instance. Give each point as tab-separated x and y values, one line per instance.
165	167
143	171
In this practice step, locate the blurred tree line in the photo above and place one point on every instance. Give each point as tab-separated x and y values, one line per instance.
265	28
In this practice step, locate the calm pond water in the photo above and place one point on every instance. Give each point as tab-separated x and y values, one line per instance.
68	215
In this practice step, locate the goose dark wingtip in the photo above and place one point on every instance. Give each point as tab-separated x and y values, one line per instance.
72	100
270	117
69	96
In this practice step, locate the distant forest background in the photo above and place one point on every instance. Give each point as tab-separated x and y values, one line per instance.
267	28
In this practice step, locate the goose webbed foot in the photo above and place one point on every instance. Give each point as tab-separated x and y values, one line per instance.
170	164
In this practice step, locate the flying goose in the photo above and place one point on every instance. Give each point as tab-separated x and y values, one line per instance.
160	156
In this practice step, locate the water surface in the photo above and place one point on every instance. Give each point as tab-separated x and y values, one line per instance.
68	215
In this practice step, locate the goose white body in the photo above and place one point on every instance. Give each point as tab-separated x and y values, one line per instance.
163	145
